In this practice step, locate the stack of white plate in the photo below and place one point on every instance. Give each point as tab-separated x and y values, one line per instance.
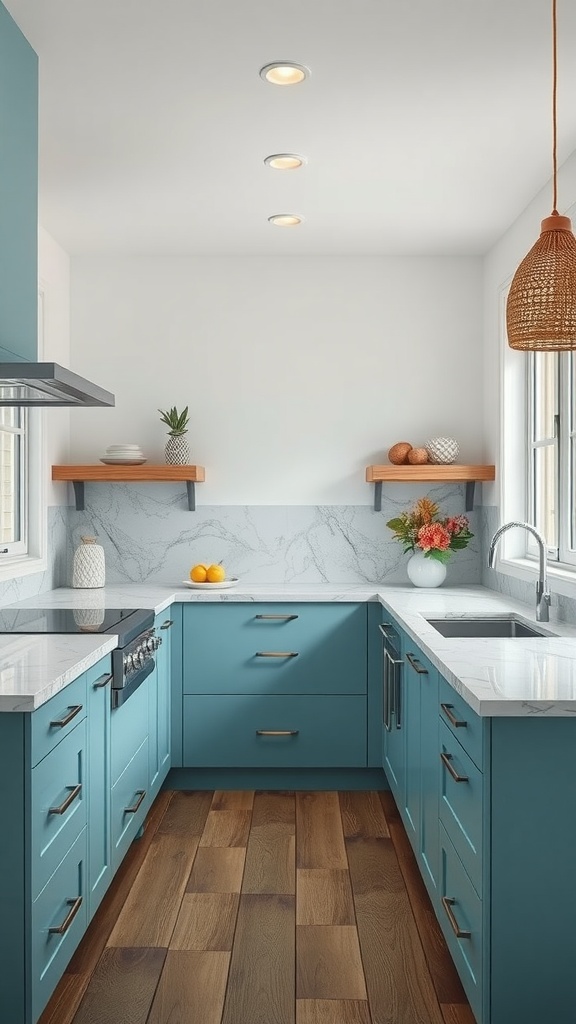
123	455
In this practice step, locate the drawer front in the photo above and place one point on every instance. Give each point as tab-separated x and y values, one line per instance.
470	728
128	730
56	718
61	905
58	801
462	804
272	648
130	802
460	909
315	732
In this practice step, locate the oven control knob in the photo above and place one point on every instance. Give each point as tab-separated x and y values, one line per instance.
141	656
128	666
150	644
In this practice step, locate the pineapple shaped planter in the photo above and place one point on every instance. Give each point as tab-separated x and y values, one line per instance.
177	451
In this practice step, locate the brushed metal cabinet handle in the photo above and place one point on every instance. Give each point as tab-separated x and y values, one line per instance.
277	732
276	654
448	903
279	618
416	665
74	791
101	682
447	762
140	793
74	908
167	624
73	710
458	723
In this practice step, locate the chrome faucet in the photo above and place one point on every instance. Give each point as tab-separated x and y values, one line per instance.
542	592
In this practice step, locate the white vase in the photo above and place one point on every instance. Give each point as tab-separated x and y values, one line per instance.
425	572
89	570
177	451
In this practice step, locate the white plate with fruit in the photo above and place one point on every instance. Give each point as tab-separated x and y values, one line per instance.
210	577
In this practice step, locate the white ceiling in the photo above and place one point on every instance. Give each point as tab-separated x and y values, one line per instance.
426	124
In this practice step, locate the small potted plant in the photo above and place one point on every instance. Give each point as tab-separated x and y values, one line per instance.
177	451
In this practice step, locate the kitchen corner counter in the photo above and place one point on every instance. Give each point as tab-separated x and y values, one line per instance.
35	668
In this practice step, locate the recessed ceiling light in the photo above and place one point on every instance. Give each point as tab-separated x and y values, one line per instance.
284	72
286	220
285	161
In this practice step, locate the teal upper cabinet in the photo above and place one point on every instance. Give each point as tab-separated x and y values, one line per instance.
18	193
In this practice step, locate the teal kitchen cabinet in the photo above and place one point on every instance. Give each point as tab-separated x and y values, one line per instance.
98	682
18	193
130	767
393	733
159	721
422	764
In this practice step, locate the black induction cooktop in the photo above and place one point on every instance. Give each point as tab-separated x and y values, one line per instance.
74	620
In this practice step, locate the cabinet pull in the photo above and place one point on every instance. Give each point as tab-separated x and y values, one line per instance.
280	618
447	762
448	903
277	732
74	908
74	791
458	723
74	710
140	793
276	654
416	665
167	624
102	681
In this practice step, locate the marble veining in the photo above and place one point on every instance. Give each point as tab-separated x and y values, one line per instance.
35	668
39	582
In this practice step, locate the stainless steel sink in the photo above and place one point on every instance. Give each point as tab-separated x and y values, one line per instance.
507	627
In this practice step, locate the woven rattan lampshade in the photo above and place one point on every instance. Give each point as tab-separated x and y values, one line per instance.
541	306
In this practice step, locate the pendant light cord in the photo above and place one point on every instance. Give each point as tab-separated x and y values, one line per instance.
554	126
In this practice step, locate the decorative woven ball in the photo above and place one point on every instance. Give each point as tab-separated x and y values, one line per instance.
442	449
417	456
399	452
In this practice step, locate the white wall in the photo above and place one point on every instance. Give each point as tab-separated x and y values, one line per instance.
298	372
54	272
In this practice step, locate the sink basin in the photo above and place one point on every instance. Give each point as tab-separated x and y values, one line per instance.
507	627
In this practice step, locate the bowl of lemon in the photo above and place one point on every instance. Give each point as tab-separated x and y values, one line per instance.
205	577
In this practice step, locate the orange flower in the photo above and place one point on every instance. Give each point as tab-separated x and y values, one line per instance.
433	535
425	511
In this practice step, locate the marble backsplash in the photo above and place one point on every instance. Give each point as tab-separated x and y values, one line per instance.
58	543
148	534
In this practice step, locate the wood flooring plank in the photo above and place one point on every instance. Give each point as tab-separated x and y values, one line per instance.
328	963
320	842
324	896
261	979
270	861
226	828
457	1013
191	990
65	999
217	869
90	949
150	912
206	921
232	800
332	1011
277	808
444	975
187	813
122	987
363	816
397	978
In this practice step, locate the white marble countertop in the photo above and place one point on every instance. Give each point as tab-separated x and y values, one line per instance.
514	677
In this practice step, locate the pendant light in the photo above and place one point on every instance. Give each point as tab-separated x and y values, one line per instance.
541	306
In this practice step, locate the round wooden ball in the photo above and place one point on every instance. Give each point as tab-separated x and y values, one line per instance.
417	456
399	453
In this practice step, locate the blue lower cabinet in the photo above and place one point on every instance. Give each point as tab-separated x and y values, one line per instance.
56	718
58	921
462	804
99	783
274	732
129	803
460	913
129	726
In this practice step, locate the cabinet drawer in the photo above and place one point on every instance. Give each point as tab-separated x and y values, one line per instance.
128	730
315	732
271	648
462	803
58	802
460	909
129	802
56	718
61	905
470	730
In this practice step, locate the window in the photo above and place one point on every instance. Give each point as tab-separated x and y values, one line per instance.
13	480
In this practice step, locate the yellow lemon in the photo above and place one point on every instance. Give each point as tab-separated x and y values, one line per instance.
215	574
198	573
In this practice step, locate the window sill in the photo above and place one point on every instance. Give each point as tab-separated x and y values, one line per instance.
561	581
23	565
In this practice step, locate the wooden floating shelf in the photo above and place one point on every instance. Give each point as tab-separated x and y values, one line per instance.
78	475
427	473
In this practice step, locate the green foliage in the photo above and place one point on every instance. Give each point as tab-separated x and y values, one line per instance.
177	421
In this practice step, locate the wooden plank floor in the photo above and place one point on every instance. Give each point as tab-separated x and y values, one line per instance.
265	908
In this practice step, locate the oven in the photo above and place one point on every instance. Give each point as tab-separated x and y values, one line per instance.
133	662
391	677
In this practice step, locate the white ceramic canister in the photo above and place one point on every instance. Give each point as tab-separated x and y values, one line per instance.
89	570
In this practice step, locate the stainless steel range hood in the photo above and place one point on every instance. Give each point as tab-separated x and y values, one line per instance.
48	384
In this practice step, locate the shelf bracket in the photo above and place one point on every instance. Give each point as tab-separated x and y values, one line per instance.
469	500
78	486
378	496
191	491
